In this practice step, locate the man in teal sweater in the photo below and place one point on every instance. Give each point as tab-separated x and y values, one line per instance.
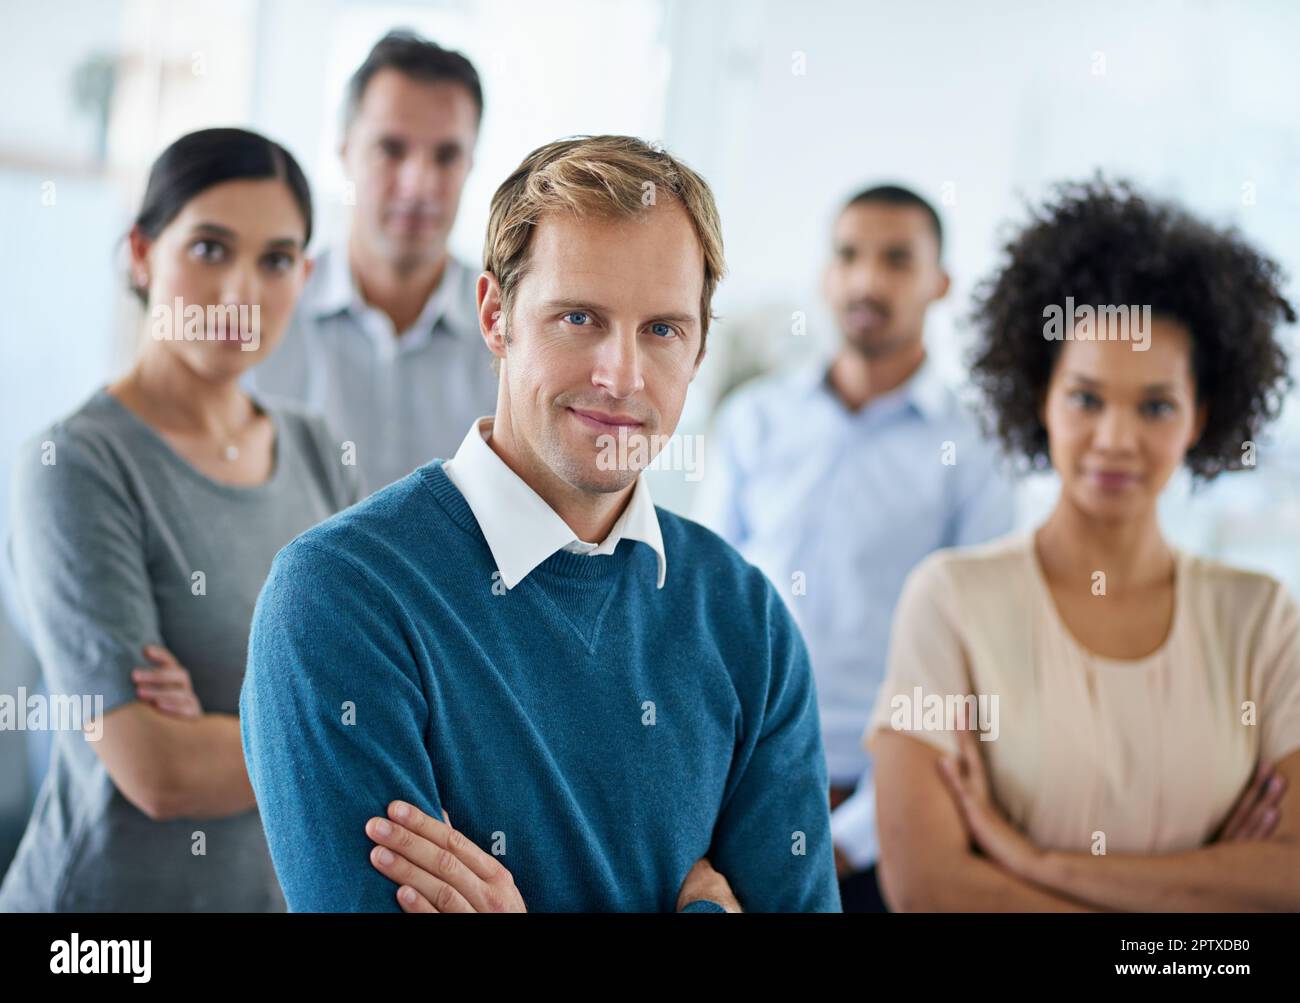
612	709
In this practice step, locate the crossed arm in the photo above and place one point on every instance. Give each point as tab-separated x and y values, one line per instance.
169	758
945	845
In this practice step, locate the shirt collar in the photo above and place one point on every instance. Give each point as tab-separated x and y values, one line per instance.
334	290
927	391
452	303
924	390
520	528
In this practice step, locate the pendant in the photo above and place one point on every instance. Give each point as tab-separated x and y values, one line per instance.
232	453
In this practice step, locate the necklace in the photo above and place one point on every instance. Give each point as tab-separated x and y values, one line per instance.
230	451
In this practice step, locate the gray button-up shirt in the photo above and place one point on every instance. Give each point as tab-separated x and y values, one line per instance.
400	401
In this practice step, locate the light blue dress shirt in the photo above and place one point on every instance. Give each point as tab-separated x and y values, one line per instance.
401	401
837	507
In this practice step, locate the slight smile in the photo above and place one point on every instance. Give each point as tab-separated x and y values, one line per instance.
1113	480
604	422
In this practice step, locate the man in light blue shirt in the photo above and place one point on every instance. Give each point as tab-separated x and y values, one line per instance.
837	478
385	341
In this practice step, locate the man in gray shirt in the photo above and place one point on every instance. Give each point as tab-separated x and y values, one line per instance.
385	339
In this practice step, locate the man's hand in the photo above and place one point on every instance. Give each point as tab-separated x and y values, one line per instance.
437	868
703	882
1256	814
167	686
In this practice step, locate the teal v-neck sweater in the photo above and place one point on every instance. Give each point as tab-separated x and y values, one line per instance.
597	734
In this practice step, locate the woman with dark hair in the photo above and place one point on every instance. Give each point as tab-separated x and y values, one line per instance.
144	525
1137	707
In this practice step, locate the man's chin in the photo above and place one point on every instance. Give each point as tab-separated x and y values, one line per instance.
871	344
411	252
593	480
586	474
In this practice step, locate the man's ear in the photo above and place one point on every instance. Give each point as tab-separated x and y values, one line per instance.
943	285
699	358
344	146
308	266
490	322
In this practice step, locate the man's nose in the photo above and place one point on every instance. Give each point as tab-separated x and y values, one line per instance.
618	364
867	280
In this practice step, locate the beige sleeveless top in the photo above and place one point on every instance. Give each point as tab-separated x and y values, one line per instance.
1152	752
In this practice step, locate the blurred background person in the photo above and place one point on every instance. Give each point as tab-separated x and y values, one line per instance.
144	525
385	342
1138	705
838	478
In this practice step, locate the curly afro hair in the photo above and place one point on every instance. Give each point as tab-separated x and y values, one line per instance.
1102	243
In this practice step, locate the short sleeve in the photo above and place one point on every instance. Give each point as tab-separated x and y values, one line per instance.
927	656
80	568
1278	675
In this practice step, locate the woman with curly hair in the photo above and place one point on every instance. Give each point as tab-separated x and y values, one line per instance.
1137	706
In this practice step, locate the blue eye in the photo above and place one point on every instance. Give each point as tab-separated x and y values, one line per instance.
662	329
577	313
1084	398
1158	408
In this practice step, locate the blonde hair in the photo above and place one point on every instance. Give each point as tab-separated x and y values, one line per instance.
603	176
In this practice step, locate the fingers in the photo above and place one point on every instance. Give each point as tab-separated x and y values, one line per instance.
970	763
482	864
1274	790
186	707
1241	811
167	677
437	894
181	707
412	901
429	857
157	653
169	690
1264	815
1260	825
167	685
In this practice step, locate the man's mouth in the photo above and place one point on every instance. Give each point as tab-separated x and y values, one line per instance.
865	315
605	422
412	219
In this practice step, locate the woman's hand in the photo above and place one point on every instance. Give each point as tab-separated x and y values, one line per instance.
988	828
166	686
1256	813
